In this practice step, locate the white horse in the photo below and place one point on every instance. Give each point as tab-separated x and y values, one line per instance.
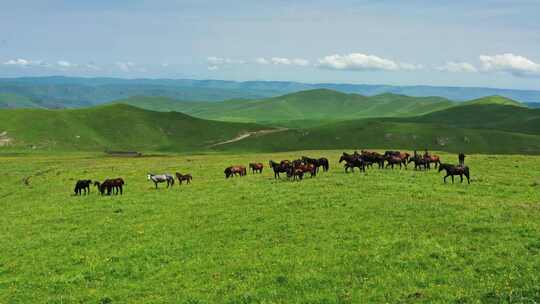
161	178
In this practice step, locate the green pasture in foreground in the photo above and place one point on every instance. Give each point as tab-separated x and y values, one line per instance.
395	236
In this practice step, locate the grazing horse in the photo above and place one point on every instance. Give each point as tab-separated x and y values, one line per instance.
324	163
419	162
452	170
183	177
111	184
282	167
161	178
235	170
394	160
256	167
82	185
433	159
295	173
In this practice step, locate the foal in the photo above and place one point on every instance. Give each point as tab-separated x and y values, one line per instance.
183	177
256	167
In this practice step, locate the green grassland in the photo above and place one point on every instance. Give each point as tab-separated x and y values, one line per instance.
387	236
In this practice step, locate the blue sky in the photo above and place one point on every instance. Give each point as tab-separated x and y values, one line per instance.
484	43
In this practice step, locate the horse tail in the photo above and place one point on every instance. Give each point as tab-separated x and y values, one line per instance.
326	166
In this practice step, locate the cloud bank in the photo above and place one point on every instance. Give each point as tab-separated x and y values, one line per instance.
363	62
516	65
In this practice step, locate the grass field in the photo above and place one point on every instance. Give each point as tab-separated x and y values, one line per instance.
381	237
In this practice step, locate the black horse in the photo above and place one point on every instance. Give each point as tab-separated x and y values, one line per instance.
419	162
282	167
452	170
320	162
82	185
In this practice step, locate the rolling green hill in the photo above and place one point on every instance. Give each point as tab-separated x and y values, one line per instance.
479	127
317	119
312	105
486	116
115	127
388	134
497	100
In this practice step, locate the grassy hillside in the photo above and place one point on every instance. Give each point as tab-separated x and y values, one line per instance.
311	105
390	134
495	100
114	127
487	116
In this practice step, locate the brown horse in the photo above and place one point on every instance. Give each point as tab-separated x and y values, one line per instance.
256	167
307	168
183	177
394	160
112	186
433	159
235	170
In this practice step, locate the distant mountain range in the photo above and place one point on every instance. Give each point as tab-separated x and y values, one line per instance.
72	92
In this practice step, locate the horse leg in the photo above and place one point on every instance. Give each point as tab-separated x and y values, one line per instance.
452	179
461	177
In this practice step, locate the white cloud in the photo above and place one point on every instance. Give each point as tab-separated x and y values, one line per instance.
458	67
19	62
362	62
262	60
221	61
65	64
213	68
125	66
284	61
517	65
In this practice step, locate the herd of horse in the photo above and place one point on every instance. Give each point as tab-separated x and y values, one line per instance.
296	169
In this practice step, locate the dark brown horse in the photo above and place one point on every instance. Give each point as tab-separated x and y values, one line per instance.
112	186
317	162
256	167
394	160
183	177
235	170
373	158
82	185
355	163
452	170
308	168
419	162
282	167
